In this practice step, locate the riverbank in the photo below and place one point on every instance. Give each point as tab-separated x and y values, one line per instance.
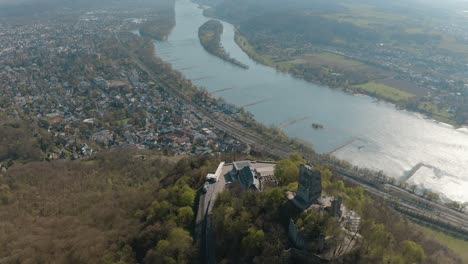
210	38
389	140
401	99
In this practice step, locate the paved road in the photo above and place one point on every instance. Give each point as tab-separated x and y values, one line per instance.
205	207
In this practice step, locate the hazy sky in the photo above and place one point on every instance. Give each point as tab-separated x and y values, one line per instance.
440	3
18	2
12	2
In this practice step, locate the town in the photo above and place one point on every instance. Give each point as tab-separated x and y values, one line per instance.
69	79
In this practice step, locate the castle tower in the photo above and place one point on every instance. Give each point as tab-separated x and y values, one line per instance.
310	187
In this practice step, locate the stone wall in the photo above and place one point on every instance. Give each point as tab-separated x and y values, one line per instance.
295	236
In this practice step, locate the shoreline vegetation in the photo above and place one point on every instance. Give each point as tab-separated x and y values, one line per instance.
210	38
401	99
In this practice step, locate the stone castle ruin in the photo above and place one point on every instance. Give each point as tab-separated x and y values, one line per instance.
309	197
310	187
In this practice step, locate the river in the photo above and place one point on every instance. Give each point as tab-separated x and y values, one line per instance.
375	135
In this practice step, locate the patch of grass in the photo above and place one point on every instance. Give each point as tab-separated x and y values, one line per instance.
287	65
384	91
324	59
338	59
459	246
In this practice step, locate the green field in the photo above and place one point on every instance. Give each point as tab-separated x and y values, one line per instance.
322	59
339	59
366	16
384	91
325	58
459	246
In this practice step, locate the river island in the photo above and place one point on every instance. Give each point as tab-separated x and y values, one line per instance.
210	38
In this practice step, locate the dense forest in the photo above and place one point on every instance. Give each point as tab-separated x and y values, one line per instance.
123	206
23	141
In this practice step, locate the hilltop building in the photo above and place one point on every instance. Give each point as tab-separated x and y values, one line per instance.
254	175
244	173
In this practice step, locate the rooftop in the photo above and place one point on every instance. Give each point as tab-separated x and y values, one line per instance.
239	165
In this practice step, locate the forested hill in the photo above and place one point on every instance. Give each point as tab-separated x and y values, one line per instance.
129	206
121	206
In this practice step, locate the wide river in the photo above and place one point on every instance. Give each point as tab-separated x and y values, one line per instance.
374	135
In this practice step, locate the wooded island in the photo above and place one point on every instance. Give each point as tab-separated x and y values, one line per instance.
210	38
